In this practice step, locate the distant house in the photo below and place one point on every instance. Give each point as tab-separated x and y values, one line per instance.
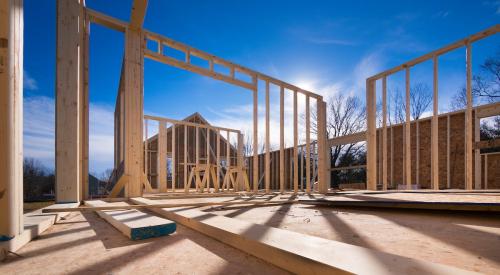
151	162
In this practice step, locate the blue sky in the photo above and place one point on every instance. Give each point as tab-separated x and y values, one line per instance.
324	46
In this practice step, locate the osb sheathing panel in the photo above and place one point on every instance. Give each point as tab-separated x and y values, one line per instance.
425	154
493	172
398	155
442	155
457	151
457	154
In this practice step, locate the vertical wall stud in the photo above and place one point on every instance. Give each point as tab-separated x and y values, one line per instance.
435	129
174	158
295	143
186	183
384	133
468	119
255	136
11	117
161	167
282	140
308	147
371	136
267	164
68	101
407	132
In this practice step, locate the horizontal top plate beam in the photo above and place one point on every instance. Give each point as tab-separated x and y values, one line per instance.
120	25
191	124
460	43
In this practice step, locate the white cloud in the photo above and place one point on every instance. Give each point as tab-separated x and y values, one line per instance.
29	83
39	133
101	139
494	4
367	66
441	14
39	128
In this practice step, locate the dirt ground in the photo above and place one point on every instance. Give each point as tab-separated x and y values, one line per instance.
86	244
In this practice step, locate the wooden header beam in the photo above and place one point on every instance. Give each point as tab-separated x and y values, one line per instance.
460	43
139	8
119	25
187	123
106	20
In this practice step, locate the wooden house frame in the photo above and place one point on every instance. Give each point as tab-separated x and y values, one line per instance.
292	251
74	21
216	150
472	155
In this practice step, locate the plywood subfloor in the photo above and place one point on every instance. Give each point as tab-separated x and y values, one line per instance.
469	241
86	244
423	196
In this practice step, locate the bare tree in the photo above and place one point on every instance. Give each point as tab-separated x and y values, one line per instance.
106	175
37	180
396	107
490	129
346	115
420	101
485	85
248	145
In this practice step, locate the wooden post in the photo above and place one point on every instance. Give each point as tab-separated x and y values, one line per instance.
146	149
477	152
228	150
468	119
308	147
208	158
282	140
435	130
448	175
407	133
217	161
267	164
323	149
84	97
371	136
133	100
186	183
197	146
240	183
314	153
392	155
161	167
384	133
255	136
69	105
174	159
417	162
11	118
486	171
295	143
